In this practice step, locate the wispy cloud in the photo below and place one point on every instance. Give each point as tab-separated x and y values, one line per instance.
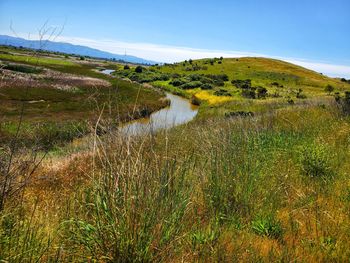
165	53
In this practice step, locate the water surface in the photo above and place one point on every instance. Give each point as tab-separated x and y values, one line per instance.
179	111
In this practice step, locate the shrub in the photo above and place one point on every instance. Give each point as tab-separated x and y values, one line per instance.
126	67
222	92
191	85
138	69
239	114
242	84
267	226
195	100
343	102
314	160
300	94
194	77
177	82
164	77
261	92
290	101
249	93
337	97
206	86
329	89
23	68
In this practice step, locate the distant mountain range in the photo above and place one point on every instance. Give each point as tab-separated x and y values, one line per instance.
69	49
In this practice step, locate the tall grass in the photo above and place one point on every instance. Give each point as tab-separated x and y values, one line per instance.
215	190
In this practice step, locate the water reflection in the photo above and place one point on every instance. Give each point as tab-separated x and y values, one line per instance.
179	112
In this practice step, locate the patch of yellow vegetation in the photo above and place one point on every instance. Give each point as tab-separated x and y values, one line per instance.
210	98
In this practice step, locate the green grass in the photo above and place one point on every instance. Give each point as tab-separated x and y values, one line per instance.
230	188
273	187
40	61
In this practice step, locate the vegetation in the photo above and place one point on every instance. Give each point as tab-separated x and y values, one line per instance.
65	104
262	178
222	86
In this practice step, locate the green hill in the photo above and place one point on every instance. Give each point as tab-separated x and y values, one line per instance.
247	83
262	72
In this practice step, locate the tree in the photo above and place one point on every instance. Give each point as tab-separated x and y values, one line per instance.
329	89
126	67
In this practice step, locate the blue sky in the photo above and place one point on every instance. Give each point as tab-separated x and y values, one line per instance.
305	31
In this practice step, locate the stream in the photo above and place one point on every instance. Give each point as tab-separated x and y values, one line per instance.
180	111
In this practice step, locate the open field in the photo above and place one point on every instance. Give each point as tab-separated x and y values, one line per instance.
255	177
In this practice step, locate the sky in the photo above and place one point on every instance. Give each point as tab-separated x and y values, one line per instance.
311	33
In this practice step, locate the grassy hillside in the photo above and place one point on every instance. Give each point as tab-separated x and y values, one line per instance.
217	83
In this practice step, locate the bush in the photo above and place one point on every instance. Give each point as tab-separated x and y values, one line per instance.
23	68
222	92
239	114
126	67
300	94
177	82
343	102
195	77
222	77
267	226
290	101
195	100
249	93
329	89
138	69
314	160
207	86
191	85
242	84
261	92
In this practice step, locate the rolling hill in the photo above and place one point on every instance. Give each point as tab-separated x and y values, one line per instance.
224	77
